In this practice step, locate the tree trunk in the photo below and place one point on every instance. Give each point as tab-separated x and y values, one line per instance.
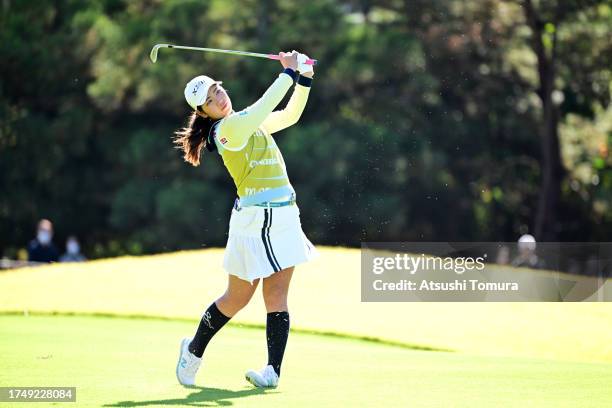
546	219
263	21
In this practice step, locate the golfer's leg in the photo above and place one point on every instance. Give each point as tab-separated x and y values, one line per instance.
236	296
275	291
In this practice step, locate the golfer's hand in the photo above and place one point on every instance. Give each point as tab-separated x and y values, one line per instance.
304	69
289	59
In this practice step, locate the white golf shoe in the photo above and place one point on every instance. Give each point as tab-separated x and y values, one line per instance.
264	378
187	365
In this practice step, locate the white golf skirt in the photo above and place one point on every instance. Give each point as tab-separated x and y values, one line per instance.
263	241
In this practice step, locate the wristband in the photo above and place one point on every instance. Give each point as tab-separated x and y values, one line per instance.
304	81
291	73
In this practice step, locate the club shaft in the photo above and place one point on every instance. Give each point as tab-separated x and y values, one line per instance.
244	53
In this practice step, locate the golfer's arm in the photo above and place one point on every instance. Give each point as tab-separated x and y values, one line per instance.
238	127
289	116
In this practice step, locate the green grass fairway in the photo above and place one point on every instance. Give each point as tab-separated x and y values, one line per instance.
183	284
131	362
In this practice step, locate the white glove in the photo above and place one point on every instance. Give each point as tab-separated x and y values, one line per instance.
302	66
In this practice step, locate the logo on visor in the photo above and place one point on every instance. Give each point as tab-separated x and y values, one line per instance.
197	86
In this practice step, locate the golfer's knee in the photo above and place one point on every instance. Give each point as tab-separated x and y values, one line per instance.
275	299
233	303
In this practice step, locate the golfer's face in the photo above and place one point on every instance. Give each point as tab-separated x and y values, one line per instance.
218	103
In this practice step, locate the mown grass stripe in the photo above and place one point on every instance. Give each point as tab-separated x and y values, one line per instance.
344	336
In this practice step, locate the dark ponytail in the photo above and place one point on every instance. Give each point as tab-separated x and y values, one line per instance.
195	136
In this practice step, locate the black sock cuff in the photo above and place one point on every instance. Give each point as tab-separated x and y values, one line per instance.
278	315
216	315
278	319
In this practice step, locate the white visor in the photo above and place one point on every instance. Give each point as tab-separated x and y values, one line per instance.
196	90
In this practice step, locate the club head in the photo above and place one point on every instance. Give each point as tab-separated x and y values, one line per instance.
155	50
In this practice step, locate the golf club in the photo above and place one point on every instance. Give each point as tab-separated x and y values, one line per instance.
156	48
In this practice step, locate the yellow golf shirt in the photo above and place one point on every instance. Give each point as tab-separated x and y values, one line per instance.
244	139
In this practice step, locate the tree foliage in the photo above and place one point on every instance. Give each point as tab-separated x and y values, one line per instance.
424	122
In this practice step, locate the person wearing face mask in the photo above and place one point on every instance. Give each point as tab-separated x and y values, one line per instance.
42	249
73	251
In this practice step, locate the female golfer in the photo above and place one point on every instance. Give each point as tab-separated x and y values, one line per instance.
265	235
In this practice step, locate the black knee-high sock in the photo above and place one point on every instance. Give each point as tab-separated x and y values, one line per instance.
277	332
212	321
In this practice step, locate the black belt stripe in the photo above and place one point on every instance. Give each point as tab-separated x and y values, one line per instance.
270	242
265	242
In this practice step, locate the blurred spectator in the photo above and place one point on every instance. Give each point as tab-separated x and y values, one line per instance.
73	251
503	255
527	256
41	249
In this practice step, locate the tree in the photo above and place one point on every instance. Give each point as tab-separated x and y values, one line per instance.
546	20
